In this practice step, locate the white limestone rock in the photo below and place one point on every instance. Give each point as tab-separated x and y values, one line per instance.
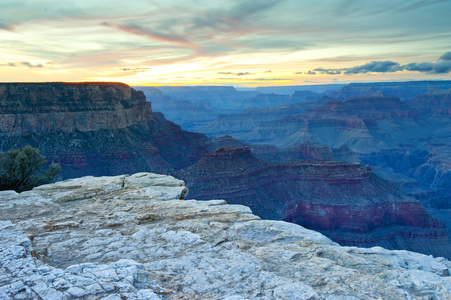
131	237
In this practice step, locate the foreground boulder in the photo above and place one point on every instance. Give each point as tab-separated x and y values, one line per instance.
133	237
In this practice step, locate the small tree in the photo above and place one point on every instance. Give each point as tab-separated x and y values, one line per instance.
21	170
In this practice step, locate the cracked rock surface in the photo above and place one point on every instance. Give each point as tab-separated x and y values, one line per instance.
134	237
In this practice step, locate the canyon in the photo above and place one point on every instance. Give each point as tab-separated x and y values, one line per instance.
135	237
109	129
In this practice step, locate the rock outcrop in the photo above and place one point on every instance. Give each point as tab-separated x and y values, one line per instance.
434	101
344	201
94	128
131	237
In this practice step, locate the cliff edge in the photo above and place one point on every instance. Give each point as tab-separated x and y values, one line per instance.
133	237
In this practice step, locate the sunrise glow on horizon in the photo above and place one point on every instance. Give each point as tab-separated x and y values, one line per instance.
242	43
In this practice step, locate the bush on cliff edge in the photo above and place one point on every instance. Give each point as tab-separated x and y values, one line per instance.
21	169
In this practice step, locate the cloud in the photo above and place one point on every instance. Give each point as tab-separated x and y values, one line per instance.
27	64
8	65
270	79
252	79
420	67
446	56
135	69
235	74
419	4
375	67
137	30
246	8
103	38
442	66
237	16
5	27
328	71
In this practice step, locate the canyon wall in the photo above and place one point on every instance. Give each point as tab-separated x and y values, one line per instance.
39	108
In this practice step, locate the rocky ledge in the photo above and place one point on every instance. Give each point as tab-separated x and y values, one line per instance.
133	237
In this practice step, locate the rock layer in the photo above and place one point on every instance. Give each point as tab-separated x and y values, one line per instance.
38	108
130	237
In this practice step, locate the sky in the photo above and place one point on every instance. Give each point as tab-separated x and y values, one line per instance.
225	42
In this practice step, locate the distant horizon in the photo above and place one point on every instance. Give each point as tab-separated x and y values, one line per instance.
287	85
237	86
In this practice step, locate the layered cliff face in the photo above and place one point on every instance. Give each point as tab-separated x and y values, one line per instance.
241	124
345	201
131	237
304	95
40	108
301	151
364	124
94	128
434	101
308	151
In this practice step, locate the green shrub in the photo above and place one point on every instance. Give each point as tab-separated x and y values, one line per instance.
22	169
